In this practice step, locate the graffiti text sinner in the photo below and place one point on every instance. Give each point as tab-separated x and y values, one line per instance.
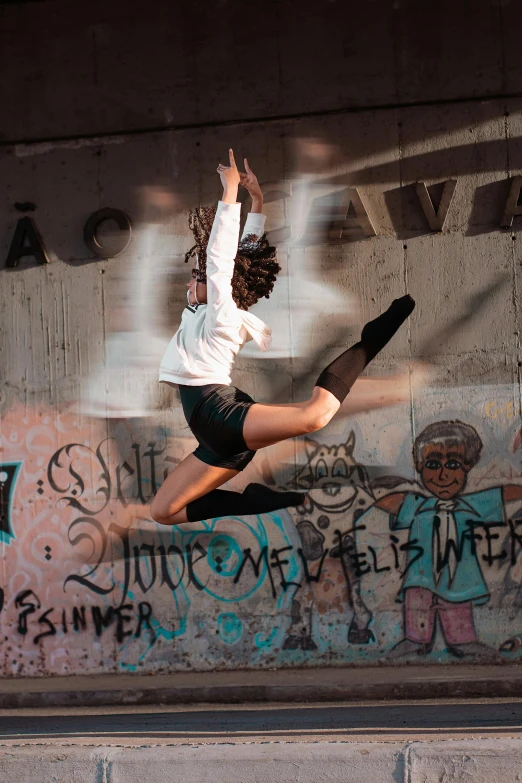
48	622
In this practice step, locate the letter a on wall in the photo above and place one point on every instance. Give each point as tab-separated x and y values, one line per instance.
26	242
512	208
352	218
8	475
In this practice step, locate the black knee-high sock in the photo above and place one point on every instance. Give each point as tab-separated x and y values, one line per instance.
256	499
339	377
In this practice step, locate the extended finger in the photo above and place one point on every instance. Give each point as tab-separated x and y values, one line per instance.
247	167
231	157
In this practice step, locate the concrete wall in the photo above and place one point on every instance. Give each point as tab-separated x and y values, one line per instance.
378	99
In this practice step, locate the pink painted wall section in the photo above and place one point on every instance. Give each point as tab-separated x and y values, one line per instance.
90	584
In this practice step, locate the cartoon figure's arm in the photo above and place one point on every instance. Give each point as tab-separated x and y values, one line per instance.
511	492
391	503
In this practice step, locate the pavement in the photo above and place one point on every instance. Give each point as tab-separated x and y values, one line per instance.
421	741
409	682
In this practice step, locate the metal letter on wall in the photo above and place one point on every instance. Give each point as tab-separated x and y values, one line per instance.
26	242
94	222
512	207
436	219
352	218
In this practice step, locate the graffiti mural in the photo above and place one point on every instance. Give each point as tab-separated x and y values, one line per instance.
8	474
405	547
339	493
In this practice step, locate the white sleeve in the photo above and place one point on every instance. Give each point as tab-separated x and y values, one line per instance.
254	224
221	254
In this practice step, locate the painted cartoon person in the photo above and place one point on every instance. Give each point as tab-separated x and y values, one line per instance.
443	577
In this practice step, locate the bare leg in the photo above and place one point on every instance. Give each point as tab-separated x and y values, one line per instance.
192	478
188	481
265	425
190	494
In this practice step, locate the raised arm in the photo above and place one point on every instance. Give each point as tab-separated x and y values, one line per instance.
222	249
255	222
223	241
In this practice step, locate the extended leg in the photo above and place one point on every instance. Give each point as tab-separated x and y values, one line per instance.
339	377
190	494
268	424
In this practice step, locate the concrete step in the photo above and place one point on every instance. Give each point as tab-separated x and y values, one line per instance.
426	741
480	761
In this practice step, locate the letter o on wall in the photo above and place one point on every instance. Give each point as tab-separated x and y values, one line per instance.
94	222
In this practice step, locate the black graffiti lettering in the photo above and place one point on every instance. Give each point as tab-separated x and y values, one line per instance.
165	575
144	618
2	599
151	454
360	563
121	619
375	566
30	608
276	562
350	558
100	619
411	546
105	489
72	499
457	547
351	532
472	537
54	462
256	565
151	564
490	558
123	535
516	538
394	541
28	602
80	579
191	563
129	479
44	620
136	449
119	480
308	576
78	618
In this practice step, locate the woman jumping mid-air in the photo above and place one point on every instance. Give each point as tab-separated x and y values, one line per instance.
228	424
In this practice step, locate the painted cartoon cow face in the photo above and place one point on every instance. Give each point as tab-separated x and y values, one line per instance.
333	477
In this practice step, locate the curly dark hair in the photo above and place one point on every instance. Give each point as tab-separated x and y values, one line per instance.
255	267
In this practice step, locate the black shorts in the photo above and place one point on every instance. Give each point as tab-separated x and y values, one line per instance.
215	413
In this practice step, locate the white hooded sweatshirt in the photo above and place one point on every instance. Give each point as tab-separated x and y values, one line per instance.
210	335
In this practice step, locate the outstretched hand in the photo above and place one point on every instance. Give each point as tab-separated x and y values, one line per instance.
229	175
249	181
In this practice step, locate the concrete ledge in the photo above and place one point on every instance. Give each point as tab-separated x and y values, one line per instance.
479	760
283	685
